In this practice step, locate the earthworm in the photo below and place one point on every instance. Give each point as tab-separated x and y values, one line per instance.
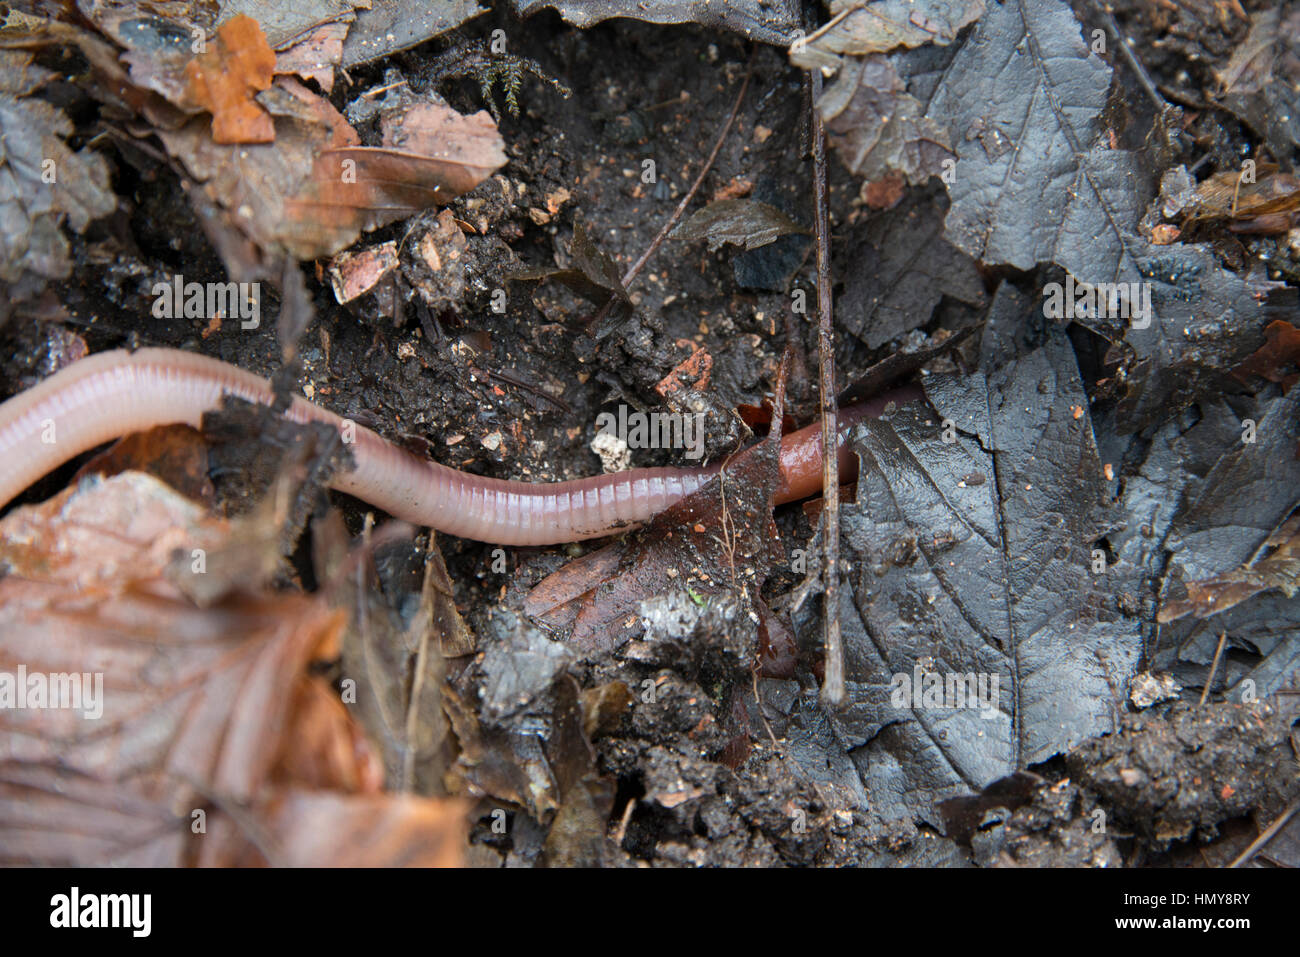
114	393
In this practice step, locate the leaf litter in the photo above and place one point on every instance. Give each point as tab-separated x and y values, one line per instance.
1073	511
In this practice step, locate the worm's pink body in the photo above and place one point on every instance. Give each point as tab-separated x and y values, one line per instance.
115	393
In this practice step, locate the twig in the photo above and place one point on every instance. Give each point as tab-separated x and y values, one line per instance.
832	693
1214	667
1266	835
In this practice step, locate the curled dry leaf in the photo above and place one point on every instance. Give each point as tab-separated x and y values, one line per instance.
1269	204
1280	569
182	715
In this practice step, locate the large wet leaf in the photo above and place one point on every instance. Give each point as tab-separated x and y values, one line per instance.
1038	181
1022	102
972	561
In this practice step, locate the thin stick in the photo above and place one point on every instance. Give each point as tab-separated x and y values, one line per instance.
832	693
1214	667
1266	835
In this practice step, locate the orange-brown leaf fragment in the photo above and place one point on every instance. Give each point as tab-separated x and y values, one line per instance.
225	79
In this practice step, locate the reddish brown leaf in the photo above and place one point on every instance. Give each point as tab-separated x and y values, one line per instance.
1278	358
176	454
315	56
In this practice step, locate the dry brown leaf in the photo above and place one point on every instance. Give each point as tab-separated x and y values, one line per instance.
315	189
316	55
176	454
1277	359
211	726
336	830
1280	570
1268	205
224	80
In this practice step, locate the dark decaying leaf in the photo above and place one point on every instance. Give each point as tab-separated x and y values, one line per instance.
528	744
900	365
1261	81
1205	321
741	222
974	558
897	267
878	128
713	542
402	624
594	275
767	21
577	835
1245	497
1178	479
878	26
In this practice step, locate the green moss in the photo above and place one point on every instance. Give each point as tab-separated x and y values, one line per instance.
503	71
